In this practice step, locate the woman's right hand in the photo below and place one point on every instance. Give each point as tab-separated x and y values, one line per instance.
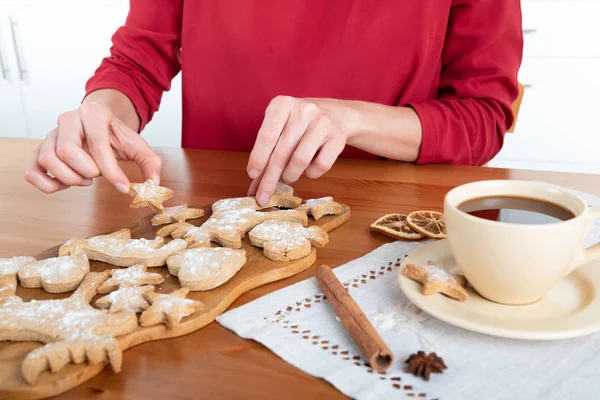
87	143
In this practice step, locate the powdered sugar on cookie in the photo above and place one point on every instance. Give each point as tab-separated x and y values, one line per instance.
55	275
284	240
10	266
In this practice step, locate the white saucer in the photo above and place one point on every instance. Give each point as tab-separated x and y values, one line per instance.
570	309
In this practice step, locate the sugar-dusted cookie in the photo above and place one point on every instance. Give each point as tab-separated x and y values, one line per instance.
284	241
8	286
136	275
321	207
169	308
176	231
55	275
10	266
126	299
436	280
283	189
73	330
176	214
120	250
149	194
206	268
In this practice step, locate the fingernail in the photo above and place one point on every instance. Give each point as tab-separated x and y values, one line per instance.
87	182
121	187
156	180
263	199
253	173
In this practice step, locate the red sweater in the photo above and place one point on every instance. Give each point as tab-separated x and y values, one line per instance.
454	61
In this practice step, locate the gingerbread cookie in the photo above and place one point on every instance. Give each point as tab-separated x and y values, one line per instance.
176	231
126	299
10	266
284	241
206	268
55	275
169	309
321	207
283	189
149	194
120	250
135	275
436	280
176	214
8	286
73	330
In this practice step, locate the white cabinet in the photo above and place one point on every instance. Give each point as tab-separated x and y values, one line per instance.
55	49
557	126
12	112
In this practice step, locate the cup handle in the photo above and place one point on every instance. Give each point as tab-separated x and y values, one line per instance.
593	252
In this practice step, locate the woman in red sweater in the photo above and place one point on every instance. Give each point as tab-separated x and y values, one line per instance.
298	83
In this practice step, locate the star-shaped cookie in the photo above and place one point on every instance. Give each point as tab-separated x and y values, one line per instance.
321	207
436	280
169	308
176	214
284	240
149	194
135	275
126	299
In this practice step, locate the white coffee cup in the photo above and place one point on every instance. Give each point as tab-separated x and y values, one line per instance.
513	263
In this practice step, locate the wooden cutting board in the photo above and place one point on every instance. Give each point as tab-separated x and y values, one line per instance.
258	271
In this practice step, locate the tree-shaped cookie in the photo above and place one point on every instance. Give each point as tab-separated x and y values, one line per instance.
321	207
120	250
136	275
126	299
176	214
55	275
284	241
169	309
73	330
207	267
149	194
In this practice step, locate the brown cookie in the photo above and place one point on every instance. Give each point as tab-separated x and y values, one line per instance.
321	207
176	214
120	250
149	194
73	330
55	275
135	275
126	299
284	241
169	309
206	268
436	280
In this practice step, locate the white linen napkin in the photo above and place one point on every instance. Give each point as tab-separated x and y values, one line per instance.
298	325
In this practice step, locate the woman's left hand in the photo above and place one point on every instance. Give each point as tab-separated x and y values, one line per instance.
297	136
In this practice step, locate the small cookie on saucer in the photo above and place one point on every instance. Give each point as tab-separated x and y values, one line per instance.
149	194
436	280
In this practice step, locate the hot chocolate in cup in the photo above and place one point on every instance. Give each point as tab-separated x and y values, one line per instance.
517	262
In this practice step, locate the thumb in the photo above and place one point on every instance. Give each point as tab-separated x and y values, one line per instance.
136	149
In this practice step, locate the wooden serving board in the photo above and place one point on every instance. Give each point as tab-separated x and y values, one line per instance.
257	271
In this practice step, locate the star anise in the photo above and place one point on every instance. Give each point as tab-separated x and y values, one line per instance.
421	364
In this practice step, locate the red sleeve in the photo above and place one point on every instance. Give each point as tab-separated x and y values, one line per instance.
480	61
144	57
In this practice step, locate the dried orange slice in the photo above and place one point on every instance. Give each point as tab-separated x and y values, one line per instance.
429	223
395	225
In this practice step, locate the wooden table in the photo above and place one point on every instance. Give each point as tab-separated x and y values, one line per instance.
213	362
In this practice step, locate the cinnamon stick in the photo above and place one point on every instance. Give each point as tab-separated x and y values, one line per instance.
355	321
